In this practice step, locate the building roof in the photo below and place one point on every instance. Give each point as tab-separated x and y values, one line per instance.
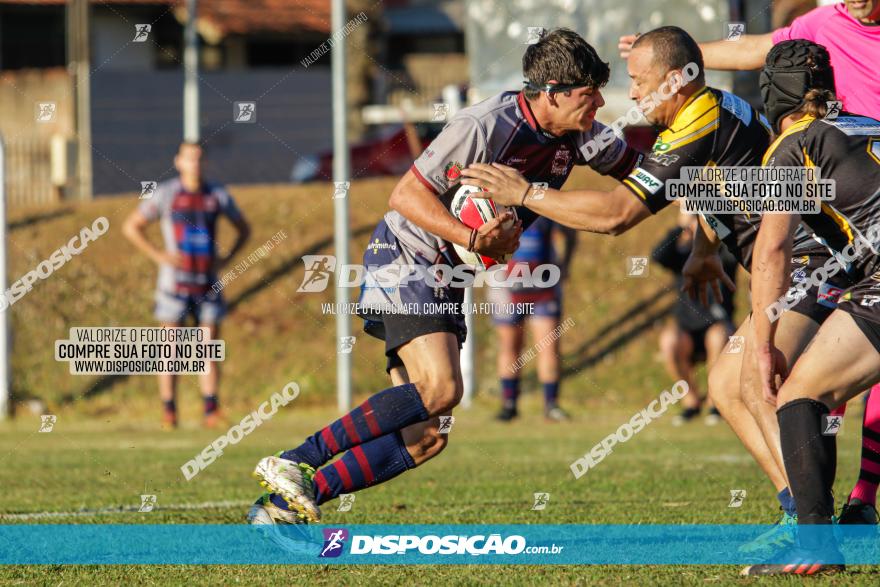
236	16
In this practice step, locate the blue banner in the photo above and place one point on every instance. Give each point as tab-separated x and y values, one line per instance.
422	544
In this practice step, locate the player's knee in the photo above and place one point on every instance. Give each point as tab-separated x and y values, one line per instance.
720	389
440	394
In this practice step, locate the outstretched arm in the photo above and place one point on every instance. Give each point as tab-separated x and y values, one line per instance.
612	212
747	52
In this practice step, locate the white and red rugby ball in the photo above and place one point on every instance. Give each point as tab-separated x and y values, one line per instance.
475	212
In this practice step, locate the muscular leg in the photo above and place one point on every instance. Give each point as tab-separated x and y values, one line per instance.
839	363
724	389
792	336
716	339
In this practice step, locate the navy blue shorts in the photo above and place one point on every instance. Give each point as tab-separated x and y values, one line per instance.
399	313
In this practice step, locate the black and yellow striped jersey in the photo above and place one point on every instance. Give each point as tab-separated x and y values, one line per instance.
847	151
713	128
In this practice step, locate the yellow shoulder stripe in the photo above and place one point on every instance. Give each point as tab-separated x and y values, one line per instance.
698	117
798	126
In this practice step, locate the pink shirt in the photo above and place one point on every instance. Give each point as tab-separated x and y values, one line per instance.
855	54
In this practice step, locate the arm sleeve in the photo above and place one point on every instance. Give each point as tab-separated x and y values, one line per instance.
648	180
606	153
227	203
803	27
460	143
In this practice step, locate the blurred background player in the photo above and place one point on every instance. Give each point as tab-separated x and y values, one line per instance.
535	248
697	332
187	208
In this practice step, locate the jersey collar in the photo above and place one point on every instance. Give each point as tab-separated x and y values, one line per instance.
530	119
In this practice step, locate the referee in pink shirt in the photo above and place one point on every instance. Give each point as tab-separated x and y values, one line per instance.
850	31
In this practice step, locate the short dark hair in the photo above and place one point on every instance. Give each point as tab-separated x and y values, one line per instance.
564	56
673	49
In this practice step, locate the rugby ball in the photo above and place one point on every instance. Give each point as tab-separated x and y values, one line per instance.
475	212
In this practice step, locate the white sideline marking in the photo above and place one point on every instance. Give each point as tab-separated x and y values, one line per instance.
207	505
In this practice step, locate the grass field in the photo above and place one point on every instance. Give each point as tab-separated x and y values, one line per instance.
107	449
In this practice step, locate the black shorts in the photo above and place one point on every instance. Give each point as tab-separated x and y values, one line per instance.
419	307
862	302
819	302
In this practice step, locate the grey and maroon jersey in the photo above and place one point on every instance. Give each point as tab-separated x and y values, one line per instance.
503	129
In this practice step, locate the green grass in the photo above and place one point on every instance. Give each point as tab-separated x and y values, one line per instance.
107	449
664	475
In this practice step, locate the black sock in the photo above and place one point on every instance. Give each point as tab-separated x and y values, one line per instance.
810	459
210	402
170	406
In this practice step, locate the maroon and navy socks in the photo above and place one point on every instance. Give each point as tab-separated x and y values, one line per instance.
510	393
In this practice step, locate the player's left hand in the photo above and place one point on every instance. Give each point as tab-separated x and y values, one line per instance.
771	363
505	185
703	271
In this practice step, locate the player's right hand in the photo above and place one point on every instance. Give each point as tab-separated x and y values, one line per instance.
495	241
625	43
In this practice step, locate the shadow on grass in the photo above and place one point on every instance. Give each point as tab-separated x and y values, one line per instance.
291	264
621	330
41	217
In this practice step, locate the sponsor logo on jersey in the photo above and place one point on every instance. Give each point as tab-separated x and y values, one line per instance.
799	275
375	246
648	181
664	159
828	295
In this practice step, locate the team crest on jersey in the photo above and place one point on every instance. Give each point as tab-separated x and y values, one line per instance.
453	170
561	162
660	146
